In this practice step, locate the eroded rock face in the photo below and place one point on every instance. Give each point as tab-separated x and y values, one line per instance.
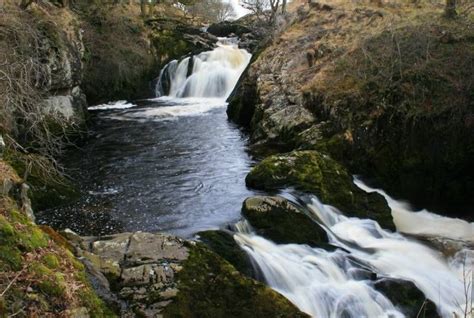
310	88
140	268
280	221
318	174
407	297
157	275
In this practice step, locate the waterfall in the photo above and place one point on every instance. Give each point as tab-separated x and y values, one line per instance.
211	74
334	284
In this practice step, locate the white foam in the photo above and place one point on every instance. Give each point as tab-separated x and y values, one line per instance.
121	104
423	223
187	107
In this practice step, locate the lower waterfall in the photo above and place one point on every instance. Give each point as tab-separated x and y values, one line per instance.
336	284
211	74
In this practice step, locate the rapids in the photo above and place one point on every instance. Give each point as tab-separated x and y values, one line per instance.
333	284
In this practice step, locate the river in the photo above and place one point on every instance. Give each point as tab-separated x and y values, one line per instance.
176	164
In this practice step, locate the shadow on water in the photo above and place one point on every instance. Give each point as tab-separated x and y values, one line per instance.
160	166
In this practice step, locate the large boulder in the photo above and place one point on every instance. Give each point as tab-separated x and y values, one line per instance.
152	275
407	297
223	244
280	221
315	173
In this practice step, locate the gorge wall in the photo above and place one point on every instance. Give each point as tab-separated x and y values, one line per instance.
379	89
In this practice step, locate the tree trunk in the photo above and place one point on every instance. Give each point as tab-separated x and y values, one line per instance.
143	7
450	10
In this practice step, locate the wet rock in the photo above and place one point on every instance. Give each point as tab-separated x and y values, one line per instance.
163	275
211	287
407	297
223	244
318	174
280	221
226	28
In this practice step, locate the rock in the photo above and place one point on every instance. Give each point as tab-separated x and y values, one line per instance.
2	146
80	312
112	248
26	202
407	297
226	28
164	275
318	174
147	248
223	244
280	221
211	287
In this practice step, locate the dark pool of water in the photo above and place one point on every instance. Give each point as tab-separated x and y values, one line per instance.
161	166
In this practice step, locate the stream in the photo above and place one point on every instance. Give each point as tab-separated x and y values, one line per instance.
176	164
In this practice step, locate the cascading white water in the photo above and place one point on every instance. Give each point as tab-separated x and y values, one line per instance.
424	223
214	74
328	284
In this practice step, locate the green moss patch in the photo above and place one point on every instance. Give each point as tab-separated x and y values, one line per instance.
46	279
223	244
211	287
315	173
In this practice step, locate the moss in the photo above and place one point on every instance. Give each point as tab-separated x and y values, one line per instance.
54	279
10	258
211	287
57	238
95	305
39	269
318	174
275	218
223	244
37	238
51	261
54	287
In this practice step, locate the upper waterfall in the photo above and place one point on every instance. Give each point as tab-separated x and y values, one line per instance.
211	74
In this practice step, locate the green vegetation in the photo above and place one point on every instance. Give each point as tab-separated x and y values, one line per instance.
38	276
223	244
278	220
210	287
402	97
316	173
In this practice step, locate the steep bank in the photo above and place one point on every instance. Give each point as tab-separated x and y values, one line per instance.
39	276
379	89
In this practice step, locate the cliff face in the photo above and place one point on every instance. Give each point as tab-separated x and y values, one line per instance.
387	91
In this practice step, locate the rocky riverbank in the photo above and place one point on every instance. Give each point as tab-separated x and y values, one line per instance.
378	89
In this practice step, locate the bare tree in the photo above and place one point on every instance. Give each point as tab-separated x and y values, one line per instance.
266	10
211	10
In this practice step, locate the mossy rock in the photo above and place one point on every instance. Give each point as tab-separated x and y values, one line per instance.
278	220
223	244
315	173
49	279
211	287
407	297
